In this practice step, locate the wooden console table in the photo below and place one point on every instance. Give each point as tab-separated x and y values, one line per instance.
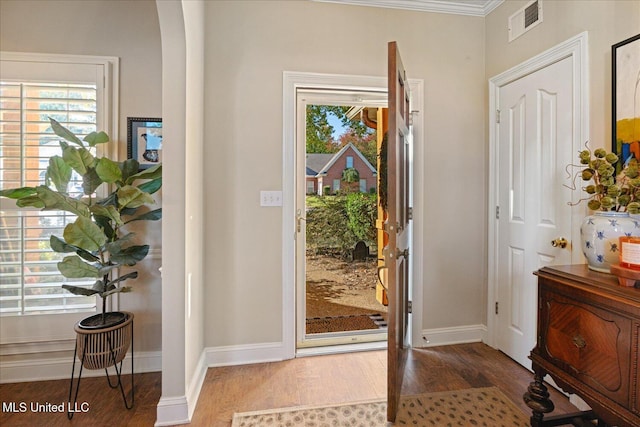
588	342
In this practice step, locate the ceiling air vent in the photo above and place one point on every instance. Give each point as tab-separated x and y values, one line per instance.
525	19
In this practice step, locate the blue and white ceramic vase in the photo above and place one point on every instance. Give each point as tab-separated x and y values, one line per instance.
600	234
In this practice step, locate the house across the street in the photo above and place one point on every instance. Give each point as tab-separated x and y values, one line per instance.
326	170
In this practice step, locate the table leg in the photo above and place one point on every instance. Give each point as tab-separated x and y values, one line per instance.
537	398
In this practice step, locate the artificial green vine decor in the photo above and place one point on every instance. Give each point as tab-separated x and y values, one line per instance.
608	192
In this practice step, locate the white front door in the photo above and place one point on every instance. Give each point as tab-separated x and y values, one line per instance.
535	135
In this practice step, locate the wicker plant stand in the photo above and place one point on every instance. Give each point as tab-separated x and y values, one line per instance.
100	349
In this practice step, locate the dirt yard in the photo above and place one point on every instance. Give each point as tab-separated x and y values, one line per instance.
336	287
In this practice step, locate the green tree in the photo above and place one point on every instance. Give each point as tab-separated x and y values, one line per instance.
350	175
319	131
351	178
365	143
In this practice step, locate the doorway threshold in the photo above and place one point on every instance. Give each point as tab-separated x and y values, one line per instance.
341	348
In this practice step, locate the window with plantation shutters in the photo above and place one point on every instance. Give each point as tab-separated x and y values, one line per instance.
30	93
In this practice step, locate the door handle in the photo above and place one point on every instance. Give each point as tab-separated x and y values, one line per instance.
561	241
404	253
299	219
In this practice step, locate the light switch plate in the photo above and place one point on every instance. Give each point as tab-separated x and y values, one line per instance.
270	198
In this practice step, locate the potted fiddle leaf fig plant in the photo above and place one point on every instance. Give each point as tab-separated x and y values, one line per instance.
97	245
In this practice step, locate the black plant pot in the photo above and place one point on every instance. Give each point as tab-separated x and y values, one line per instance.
100	321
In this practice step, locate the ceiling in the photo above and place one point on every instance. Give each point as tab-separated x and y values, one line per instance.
458	7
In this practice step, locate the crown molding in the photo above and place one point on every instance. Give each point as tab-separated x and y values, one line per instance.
457	7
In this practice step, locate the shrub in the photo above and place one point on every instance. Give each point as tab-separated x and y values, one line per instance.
362	213
338	223
327	226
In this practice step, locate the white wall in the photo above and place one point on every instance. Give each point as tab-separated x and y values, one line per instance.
128	30
194	200
248	45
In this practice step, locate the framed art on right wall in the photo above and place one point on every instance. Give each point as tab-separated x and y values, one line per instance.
625	102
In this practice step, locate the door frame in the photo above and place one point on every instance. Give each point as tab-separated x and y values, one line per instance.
308	344
575	48
290	83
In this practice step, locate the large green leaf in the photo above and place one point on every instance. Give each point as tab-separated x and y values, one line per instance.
125	238
59	172
106	225
99	286
130	275
129	211
18	193
153	215
65	133
90	181
109	212
73	267
115	291
57	201
109	200
151	186
133	197
80	159
129	167
103	271
30	201
128	256
95	138
108	170
153	172
84	234
77	290
60	246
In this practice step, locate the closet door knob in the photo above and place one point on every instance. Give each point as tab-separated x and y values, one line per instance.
561	241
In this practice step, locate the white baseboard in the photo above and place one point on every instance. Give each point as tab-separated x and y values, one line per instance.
244	354
195	385
453	335
179	410
57	368
172	411
342	348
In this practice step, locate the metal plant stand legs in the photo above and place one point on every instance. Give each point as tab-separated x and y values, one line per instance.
112	356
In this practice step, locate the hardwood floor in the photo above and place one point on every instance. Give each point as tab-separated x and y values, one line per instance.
315	380
105	405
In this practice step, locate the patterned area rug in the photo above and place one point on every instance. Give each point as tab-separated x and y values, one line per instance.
473	407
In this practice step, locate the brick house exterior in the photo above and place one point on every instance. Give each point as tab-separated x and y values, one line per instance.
326	170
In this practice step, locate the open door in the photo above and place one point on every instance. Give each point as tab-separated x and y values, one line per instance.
396	252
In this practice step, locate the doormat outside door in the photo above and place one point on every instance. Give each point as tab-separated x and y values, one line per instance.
319	325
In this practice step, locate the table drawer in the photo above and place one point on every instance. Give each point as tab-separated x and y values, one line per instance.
591	342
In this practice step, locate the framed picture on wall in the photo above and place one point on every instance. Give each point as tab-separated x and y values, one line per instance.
144	140
625	93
